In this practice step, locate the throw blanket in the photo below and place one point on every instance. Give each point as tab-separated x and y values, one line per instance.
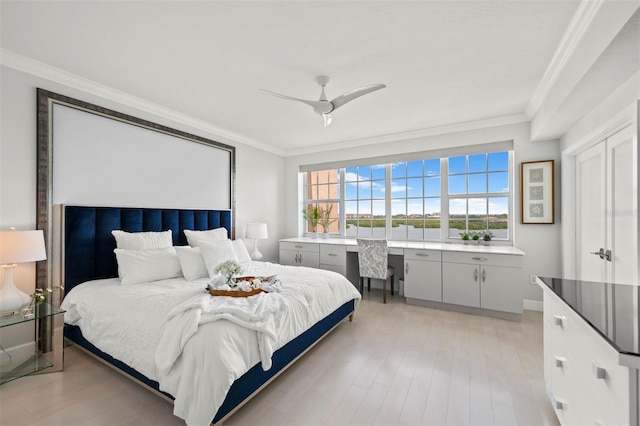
255	313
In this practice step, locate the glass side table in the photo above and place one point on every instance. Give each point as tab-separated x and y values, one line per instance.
42	354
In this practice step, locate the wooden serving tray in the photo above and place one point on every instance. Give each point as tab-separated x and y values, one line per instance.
235	293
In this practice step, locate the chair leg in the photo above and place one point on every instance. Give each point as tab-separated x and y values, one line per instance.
361	285
368	284
384	291
391	285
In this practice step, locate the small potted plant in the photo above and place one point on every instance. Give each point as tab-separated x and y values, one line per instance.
486	238
475	237
326	220
464	236
312	215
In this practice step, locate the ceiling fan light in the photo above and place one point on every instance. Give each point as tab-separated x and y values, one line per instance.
327	119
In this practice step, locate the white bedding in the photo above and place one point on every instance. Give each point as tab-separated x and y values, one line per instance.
128	322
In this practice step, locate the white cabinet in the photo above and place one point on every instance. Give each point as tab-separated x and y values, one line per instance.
481	280
423	274
334	258
300	254
583	376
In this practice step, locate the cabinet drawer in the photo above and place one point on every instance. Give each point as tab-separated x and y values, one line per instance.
414	254
335	268
482	259
333	255
289	245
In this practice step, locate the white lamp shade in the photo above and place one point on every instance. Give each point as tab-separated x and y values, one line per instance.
256	231
21	246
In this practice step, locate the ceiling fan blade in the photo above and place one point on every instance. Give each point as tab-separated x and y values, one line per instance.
312	104
354	94
327	119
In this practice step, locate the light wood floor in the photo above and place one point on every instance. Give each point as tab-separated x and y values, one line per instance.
395	364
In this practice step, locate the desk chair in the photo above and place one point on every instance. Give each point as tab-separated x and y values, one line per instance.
374	263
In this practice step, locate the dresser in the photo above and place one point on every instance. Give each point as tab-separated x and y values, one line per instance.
471	278
591	351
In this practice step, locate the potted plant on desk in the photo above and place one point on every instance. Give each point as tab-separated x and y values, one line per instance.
312	215
326	220
475	237
464	236
486	238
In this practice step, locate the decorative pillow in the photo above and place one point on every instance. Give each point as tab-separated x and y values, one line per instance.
194	238
216	252
142	240
191	262
140	266
241	251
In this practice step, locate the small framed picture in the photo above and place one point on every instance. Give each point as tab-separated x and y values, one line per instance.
536	192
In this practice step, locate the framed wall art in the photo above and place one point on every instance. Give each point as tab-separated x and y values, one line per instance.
536	192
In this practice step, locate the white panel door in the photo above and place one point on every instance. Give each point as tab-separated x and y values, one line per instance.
622	217
590	213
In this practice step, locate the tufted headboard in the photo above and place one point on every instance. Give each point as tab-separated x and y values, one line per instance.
88	244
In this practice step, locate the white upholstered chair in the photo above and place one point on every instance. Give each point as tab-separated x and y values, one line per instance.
374	263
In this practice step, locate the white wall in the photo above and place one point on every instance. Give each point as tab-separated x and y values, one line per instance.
541	243
259	174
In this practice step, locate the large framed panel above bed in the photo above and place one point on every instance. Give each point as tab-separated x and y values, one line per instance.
92	155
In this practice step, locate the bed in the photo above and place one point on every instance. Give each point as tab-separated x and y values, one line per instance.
210	386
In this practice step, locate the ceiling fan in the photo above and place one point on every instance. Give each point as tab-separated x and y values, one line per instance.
323	106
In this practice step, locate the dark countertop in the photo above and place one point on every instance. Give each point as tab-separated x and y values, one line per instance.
611	309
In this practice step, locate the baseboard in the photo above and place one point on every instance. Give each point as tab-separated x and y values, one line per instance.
532	305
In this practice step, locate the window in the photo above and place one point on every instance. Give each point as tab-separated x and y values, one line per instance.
478	187
415	200
323	193
434	199
364	201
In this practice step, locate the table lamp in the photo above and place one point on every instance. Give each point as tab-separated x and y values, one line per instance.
17	247
256	231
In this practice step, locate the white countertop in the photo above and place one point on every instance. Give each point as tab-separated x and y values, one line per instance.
352	245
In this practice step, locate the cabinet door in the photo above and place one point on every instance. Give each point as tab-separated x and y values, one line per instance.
309	258
423	280
288	257
461	284
501	289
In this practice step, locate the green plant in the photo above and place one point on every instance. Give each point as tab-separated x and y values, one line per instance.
38	296
228	269
325	217
464	236
312	215
487	236
475	236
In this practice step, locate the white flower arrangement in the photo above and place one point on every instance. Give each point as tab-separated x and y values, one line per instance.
228	269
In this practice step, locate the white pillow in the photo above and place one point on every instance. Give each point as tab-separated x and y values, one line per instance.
241	251
194	238
216	252
191	262
140	266
142	240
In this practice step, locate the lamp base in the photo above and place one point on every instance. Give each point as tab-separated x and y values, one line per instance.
255	254
11	298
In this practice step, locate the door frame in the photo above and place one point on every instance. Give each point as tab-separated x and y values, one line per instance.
622	120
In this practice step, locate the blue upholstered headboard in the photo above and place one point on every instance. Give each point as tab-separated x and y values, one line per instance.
88	243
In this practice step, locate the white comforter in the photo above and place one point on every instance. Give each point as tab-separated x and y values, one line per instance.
203	350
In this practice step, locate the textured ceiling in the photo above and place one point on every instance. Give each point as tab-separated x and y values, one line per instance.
444	62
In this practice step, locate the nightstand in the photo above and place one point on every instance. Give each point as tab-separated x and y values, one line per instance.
43	354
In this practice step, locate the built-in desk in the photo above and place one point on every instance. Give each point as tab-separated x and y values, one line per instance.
471	278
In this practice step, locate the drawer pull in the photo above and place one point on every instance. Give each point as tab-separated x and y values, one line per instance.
560	404
599	371
559	320
560	361
422	254
332	254
298	246
480	259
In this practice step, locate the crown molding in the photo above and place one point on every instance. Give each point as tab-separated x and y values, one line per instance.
582	19
416	134
39	69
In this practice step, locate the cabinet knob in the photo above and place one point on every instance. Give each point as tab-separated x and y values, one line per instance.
332	254
559	320
484	275
599	370
422	254
406	267
298	246
475	275
560	361
480	259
